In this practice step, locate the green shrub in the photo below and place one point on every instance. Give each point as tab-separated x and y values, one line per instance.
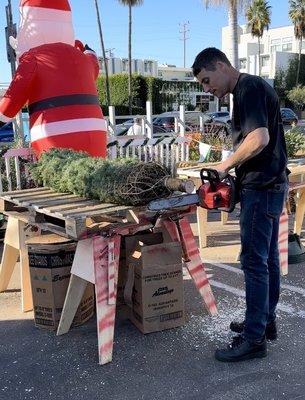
124	110
295	141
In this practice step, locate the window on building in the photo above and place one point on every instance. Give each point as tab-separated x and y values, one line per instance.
287	44
148	66
275	45
265	61
243	63
160	73
287	47
287	39
189	75
125	65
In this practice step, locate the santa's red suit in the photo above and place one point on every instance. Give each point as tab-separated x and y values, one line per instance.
57	81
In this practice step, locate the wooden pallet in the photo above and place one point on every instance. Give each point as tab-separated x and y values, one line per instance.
62	213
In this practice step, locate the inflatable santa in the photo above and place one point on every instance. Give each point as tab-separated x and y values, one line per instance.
56	78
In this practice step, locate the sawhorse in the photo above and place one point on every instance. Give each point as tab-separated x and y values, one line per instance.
17	231
106	254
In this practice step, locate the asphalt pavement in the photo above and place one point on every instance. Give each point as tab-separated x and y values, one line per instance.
175	364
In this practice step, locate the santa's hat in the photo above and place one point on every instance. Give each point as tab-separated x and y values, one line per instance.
43	22
62	5
39	9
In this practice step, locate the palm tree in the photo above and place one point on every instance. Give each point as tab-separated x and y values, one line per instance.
297	16
233	6
99	24
258	16
130	4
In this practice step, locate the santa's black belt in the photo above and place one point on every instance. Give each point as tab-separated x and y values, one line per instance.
60	101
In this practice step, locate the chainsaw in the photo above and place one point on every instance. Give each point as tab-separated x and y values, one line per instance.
214	193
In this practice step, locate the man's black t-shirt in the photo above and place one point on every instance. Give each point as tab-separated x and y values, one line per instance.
256	105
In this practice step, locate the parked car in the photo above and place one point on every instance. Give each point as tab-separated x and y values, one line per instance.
167	120
6	133
220	116
288	116
164	124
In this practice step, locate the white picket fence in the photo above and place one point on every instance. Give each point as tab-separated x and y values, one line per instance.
167	151
14	178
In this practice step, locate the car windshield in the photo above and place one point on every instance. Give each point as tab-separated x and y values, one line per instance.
287	113
164	120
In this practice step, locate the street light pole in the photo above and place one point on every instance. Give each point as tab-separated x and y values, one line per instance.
99	24
11	31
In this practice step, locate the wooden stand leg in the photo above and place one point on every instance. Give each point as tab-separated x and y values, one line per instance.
10	252
195	265
224	217
299	212
26	288
202	222
106	265
76	289
283	243
14	246
9	258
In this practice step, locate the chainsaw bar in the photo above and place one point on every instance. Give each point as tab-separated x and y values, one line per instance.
173	202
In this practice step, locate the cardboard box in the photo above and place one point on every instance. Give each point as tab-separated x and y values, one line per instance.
157	301
50	266
128	244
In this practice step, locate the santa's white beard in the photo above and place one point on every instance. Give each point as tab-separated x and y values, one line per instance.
36	33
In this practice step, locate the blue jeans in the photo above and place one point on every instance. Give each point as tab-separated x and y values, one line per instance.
259	227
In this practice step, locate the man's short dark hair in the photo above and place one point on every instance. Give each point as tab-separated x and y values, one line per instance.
207	59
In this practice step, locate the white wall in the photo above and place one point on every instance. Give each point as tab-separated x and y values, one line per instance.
279	44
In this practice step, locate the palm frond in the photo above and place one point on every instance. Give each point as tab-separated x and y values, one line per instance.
297	16
238	4
132	3
258	17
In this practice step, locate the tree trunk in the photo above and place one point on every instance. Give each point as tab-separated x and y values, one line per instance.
299	63
259	56
104	52
129	61
233	49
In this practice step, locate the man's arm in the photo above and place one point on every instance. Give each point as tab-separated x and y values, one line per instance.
252	145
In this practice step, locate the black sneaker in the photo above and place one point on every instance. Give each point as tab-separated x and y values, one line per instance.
271	331
240	350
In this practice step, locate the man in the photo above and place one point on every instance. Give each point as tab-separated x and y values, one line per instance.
260	159
136	128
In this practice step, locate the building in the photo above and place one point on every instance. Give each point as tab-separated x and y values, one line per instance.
166	72
144	67
3	89
277	47
120	65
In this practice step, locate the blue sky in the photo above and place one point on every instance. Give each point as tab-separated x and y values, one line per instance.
155	28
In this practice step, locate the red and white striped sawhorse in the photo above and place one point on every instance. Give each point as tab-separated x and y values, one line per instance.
106	252
106	267
194	265
283	242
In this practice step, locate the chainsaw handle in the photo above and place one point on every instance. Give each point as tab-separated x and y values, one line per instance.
231	207
211	175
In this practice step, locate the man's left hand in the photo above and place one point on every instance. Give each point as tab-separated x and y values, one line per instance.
222	170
